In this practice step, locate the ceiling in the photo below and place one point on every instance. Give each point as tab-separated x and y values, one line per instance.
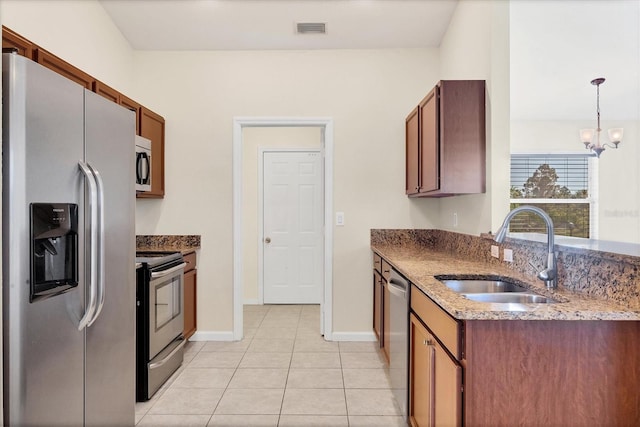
558	47
270	24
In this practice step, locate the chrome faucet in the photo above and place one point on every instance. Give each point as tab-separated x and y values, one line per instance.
550	274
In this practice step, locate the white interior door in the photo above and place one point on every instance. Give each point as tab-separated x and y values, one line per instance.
293	217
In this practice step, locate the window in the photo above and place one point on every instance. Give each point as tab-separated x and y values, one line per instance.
562	185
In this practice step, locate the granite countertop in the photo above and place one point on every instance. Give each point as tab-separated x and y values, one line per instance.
420	265
168	243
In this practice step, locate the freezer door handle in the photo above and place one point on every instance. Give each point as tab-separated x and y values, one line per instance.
93	230
100	285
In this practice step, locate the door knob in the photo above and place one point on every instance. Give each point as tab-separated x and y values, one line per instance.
267	239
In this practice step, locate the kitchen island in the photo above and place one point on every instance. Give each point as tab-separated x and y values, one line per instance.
571	363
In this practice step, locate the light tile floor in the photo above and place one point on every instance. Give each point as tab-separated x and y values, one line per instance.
283	373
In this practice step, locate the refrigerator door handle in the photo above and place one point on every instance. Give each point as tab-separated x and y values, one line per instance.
93	215
100	285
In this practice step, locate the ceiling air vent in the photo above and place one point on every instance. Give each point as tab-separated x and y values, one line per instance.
311	28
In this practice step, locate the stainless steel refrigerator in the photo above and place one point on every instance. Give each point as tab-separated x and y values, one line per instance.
68	248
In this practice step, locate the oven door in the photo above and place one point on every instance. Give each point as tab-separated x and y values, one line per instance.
166	307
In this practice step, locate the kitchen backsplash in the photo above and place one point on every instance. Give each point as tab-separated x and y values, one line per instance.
603	275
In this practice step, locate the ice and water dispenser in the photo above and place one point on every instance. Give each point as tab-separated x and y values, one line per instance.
54	249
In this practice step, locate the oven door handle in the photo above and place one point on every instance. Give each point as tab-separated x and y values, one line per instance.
169	356
163	273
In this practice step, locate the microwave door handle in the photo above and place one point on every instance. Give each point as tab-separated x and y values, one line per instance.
163	273
101	259
147	168
93	230
139	157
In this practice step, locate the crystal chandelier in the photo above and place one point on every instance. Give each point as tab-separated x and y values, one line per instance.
591	137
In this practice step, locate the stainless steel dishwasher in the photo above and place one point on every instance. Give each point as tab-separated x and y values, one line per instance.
399	289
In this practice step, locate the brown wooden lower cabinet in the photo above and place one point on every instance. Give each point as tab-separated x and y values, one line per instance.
377	303
435	381
190	296
386	318
521	372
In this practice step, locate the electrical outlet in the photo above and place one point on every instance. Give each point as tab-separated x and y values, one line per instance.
507	255
495	251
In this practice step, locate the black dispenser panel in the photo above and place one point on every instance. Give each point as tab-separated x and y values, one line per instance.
54	249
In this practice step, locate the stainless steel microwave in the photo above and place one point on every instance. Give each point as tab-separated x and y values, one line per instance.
143	164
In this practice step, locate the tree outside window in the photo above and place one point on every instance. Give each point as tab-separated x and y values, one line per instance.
558	185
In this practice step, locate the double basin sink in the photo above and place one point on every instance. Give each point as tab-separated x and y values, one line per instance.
497	291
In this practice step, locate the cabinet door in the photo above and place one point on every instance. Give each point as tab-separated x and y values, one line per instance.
429	142
133	106
152	127
386	319
412	132
448	389
377	303
435	381
190	303
421	384
16	41
106	91
62	67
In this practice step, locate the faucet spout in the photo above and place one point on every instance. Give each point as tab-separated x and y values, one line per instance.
550	274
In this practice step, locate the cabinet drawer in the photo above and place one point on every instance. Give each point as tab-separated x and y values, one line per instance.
377	263
441	324
191	262
386	270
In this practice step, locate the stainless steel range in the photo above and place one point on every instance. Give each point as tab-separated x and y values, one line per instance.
160	320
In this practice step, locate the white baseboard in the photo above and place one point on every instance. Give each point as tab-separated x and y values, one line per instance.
251	301
212	336
353	336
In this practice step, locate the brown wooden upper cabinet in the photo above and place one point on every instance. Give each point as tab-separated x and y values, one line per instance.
11	39
62	67
445	141
152	127
106	91
133	106
148	124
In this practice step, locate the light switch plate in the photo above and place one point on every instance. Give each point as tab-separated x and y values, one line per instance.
340	219
507	255
495	251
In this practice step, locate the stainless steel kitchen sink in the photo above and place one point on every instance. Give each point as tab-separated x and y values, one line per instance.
510	298
474	286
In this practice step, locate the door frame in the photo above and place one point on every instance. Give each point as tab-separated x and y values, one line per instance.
326	123
261	152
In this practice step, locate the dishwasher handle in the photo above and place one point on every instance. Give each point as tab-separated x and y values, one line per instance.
398	288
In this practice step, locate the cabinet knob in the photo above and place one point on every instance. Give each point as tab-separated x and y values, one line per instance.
267	239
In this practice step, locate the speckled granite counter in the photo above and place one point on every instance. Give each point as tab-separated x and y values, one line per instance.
166	243
417	256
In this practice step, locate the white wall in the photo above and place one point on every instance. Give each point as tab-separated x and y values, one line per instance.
80	32
254	139
476	46
368	93
618	170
